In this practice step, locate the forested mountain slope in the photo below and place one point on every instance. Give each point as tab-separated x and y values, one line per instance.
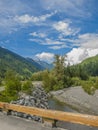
90	65
12	61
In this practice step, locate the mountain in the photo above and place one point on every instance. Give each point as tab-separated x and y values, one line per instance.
12	61
44	64
77	55
35	63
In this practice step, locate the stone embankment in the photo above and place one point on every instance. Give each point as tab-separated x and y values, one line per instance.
38	98
78	99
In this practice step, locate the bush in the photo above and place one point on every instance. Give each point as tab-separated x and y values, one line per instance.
5	97
12	85
88	87
95	81
76	81
48	81
27	87
37	76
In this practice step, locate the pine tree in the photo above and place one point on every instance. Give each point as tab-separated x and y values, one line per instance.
59	71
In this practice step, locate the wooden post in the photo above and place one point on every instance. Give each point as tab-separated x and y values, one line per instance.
5	110
49	122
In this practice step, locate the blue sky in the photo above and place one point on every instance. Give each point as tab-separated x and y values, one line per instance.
42	28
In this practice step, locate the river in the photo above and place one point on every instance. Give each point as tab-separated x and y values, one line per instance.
56	105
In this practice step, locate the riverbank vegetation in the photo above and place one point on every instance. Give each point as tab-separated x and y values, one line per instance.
13	85
62	76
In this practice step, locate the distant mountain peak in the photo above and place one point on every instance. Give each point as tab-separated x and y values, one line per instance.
43	63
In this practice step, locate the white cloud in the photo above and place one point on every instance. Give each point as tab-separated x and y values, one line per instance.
8	10
42	35
35	34
46	41
87	47
10	7
69	7
37	40
65	28
52	42
26	18
88	40
57	47
61	26
45	56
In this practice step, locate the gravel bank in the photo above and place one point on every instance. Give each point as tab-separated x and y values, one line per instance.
78	99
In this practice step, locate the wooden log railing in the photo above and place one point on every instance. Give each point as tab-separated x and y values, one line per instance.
52	114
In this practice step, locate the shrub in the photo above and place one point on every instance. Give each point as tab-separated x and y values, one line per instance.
88	87
76	81
27	87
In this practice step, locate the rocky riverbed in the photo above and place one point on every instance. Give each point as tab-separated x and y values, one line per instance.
38	98
78	99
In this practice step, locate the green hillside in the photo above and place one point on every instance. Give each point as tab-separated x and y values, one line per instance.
90	65
94	58
12	61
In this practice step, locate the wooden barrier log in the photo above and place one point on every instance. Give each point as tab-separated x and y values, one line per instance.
55	115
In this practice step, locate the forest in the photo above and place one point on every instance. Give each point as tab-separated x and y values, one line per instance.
61	76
